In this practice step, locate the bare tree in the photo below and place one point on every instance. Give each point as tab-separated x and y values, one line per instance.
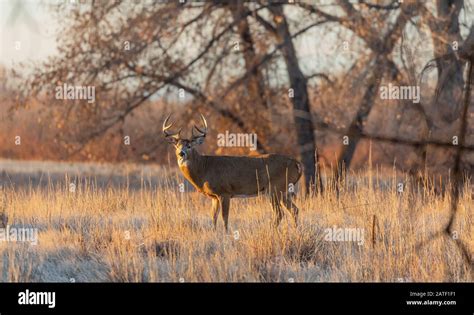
381	48
446	37
133	53
299	96
137	56
256	82
136	53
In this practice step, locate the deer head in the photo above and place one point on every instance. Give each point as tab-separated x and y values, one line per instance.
185	147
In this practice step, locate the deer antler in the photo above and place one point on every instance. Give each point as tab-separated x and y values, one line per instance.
166	127
202	132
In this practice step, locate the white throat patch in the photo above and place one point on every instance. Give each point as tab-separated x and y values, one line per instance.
182	162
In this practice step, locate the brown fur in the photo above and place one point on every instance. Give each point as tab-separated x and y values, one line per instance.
240	175
226	177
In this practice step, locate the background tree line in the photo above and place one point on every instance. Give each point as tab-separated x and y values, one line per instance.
245	65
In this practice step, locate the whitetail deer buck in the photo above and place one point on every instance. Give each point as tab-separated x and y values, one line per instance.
226	177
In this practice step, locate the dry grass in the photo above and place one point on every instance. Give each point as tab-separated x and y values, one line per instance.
160	234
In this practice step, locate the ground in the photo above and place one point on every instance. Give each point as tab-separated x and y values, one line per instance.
139	225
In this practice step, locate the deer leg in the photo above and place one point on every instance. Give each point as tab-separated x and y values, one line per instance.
277	209
290	206
215	211
225	203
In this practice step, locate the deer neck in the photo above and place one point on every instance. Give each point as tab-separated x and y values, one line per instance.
194	168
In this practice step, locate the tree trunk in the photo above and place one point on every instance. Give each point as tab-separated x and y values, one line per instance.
301	108
354	133
255	83
383	64
445	34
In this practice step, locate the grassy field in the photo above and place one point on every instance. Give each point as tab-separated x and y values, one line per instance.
88	233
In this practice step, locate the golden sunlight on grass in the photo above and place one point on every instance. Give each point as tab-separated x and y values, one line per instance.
160	234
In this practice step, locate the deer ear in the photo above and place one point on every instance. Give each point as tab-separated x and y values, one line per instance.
198	140
172	139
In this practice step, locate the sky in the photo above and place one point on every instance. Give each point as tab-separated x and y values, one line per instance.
27	31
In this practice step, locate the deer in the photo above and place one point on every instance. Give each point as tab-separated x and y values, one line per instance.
225	177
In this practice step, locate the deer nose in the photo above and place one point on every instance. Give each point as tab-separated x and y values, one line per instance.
182	154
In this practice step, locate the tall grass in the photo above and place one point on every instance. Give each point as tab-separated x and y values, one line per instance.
161	234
